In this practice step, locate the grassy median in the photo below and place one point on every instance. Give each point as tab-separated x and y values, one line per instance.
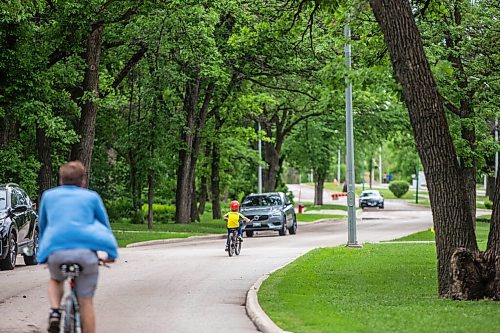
390	287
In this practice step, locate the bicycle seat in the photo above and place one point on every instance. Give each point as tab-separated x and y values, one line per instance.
71	269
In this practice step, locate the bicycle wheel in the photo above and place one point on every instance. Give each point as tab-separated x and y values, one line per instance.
230	251
69	316
237	246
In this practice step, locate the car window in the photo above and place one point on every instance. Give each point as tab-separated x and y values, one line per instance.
17	199
25	199
262	200
3	199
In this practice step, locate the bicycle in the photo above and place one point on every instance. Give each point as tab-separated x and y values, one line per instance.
71	309
234	243
71	321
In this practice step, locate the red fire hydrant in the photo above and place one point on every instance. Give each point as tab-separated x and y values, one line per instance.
301	208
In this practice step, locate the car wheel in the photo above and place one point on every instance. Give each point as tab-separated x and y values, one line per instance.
249	233
10	260
31	260
293	228
283	229
381	206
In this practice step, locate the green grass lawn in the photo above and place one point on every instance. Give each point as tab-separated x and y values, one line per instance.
128	237
310	206
315	217
127	233
389	287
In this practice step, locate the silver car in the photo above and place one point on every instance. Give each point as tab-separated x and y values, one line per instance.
371	198
269	211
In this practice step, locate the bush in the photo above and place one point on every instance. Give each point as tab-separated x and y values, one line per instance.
488	204
399	188
161	213
119	208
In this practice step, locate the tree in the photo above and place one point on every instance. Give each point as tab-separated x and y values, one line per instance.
450	205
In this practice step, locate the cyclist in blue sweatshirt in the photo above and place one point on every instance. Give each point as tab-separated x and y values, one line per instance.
73	226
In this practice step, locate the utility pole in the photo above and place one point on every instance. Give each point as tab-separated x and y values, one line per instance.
380	164
260	165
351	194
416	186
338	167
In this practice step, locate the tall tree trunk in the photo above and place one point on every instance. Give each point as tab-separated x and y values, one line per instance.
195	215
45	171
150	199
318	187
493	248
215	180
450	206
188	153
202	197
490	187
184	173
82	151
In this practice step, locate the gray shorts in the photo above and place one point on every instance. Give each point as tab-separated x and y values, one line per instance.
86	282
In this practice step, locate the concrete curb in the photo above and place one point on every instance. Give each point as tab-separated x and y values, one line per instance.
176	240
260	319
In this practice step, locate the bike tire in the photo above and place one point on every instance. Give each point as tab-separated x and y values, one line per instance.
237	248
230	251
69	316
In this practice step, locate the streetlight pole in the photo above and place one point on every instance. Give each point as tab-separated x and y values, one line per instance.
338	166
260	166
416	186
351	194
380	164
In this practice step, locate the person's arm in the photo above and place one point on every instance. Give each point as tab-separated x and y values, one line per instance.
100	212
244	218
226	216
42	217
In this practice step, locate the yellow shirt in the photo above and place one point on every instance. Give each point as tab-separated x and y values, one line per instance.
233	219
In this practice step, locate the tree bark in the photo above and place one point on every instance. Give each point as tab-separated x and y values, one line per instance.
45	171
150	199
190	137
318	187
215	180
82	151
450	206
490	187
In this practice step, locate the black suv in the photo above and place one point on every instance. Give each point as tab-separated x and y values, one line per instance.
18	227
269	211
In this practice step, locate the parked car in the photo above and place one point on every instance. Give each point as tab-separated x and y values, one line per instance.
269	211
18	227
371	198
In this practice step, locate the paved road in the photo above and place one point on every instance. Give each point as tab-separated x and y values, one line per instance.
192	287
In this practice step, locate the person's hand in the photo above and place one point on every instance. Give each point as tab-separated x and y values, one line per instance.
104	259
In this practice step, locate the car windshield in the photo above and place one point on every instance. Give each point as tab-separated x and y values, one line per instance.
3	199
369	194
262	200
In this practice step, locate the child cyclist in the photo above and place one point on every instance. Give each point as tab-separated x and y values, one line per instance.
233	221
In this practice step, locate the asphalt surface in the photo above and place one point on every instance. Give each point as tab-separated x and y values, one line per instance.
193	286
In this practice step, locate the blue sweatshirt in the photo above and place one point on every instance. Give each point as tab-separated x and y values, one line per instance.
72	217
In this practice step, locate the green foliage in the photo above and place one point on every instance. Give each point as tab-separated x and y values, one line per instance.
487	203
161	213
399	188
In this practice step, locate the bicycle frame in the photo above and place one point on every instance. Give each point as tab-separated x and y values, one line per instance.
234	243
72	321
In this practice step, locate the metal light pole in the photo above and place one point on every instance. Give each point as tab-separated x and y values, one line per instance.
416	186
351	194
380	164
338	166
260	166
